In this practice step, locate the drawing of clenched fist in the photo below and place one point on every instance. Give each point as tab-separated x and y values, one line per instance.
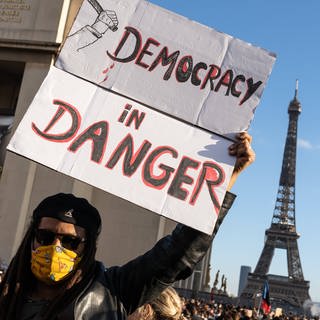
107	19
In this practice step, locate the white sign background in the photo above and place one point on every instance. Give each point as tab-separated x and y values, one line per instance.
85	54
96	104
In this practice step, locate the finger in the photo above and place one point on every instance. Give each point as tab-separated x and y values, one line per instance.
239	148
243	162
244	155
233	149
244	136
248	156
243	148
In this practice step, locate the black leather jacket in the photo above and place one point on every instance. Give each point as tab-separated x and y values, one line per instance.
117	291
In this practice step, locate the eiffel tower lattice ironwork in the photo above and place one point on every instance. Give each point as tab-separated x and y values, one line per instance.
289	292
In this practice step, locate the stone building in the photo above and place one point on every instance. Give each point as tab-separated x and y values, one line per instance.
31	32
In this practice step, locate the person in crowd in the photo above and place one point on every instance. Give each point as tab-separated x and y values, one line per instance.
167	305
54	274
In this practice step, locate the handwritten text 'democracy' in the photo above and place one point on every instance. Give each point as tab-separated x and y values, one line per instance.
183	68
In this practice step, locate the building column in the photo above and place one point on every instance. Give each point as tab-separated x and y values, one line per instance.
82	189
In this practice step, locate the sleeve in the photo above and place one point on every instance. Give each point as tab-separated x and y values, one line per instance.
80	39
172	258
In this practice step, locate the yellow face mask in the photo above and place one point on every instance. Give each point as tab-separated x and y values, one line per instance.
53	263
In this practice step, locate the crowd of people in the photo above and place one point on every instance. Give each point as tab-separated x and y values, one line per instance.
170	306
195	309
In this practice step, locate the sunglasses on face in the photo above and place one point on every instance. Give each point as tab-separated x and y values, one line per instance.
47	237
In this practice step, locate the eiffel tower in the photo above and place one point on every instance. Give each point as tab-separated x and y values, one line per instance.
288	292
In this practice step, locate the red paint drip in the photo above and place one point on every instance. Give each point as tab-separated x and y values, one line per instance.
105	71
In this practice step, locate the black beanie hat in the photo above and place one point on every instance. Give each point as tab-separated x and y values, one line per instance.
71	209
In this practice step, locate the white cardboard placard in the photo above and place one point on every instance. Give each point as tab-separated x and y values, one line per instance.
127	149
164	60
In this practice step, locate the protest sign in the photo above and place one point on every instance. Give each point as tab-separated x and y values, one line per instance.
127	149
184	69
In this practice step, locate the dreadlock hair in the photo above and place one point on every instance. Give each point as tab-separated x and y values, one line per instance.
19	279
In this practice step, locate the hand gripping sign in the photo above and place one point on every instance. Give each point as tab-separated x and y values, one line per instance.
199	75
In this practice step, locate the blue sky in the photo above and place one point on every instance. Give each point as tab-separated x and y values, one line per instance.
291	29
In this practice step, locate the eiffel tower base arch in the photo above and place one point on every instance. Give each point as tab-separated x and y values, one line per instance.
285	293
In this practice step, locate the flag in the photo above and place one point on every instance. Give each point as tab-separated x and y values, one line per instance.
265	299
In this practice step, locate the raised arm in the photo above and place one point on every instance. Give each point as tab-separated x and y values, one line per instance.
174	256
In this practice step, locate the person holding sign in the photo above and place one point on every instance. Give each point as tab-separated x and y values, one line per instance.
54	274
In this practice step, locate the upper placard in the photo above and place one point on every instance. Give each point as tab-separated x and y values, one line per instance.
164	60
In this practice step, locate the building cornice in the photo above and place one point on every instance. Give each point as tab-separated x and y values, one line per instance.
48	47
